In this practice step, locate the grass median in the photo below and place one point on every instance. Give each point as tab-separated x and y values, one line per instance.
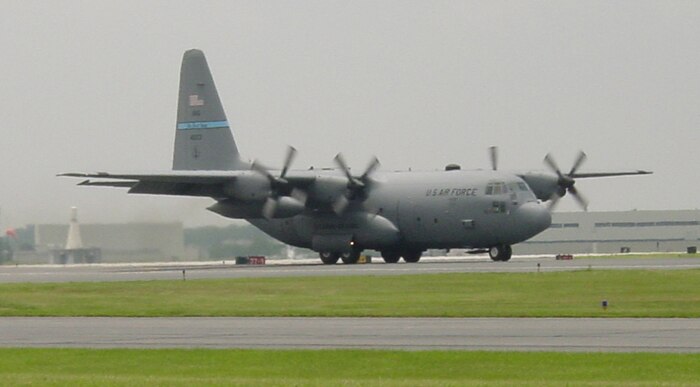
658	293
173	367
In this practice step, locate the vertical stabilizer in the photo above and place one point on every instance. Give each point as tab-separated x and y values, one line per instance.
203	139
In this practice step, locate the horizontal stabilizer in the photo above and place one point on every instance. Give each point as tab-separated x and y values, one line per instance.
123	184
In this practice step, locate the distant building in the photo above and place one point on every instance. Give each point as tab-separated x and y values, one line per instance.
126	242
74	251
614	232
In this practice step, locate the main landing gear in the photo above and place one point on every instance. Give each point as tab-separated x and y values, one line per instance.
410	256
500	252
330	258
349	258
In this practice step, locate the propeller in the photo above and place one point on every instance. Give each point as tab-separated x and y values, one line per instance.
356	185
493	152
279	185
566	182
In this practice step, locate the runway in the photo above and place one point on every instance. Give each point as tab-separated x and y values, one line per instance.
507	334
511	334
226	269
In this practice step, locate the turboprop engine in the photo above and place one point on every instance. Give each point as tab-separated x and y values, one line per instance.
286	207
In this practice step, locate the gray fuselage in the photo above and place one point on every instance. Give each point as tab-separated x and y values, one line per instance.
423	210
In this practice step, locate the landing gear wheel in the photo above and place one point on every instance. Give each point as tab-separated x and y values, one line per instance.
412	256
351	257
329	258
500	253
391	256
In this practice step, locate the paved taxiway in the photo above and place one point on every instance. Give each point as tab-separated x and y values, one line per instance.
521	334
170	271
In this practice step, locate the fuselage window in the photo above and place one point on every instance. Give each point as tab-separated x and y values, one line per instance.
497	208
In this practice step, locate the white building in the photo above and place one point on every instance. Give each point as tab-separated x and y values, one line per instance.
613	232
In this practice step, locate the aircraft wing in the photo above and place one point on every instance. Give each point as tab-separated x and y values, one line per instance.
179	183
169	176
609	174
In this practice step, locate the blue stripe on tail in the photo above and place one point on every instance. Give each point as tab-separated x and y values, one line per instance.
202	125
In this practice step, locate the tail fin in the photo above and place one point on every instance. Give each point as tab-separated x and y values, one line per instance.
203	140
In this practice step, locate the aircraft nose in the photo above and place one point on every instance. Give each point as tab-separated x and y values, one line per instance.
535	218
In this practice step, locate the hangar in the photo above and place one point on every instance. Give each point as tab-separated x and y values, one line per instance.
617	231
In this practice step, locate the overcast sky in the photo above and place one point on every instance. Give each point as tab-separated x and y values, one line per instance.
92	85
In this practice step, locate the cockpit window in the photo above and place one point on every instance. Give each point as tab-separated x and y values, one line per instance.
499	187
496	188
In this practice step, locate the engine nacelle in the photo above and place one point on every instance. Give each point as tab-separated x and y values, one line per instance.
237	210
327	189
249	187
287	207
543	186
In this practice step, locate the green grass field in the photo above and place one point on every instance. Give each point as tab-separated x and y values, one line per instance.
340	367
658	293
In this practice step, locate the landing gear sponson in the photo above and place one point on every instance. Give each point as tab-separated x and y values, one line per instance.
500	252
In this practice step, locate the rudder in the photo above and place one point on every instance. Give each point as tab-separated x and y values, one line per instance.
203	139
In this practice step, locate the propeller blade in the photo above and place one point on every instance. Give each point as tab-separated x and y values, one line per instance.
340	205
299	195
340	161
579	198
344	166
549	160
373	165
257	167
581	158
553	200
356	186
291	153
268	210
493	152
566	182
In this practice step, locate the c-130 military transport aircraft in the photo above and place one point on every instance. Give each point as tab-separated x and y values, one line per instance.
336	212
